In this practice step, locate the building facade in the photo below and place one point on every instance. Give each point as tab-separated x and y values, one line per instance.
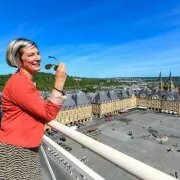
111	102
162	101
75	110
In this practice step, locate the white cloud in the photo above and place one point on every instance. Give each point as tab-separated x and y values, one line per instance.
138	58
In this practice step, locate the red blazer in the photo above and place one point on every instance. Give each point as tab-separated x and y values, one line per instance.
24	112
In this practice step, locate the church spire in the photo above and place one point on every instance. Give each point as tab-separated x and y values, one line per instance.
160	75
170	83
170	77
160	82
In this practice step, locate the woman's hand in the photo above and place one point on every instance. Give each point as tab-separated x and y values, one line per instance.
60	76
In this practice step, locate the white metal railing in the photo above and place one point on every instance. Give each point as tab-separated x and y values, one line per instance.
129	164
76	163
47	163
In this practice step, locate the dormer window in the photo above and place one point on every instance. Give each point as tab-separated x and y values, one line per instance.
142	95
155	97
170	98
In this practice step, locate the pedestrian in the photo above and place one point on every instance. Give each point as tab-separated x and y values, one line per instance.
25	113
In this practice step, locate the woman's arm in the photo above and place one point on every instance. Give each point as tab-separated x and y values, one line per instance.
25	95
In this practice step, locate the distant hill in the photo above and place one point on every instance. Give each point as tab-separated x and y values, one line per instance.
45	81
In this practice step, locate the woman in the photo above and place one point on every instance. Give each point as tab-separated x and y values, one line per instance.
25	113
0	110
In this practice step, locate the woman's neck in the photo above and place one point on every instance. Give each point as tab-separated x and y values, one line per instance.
26	73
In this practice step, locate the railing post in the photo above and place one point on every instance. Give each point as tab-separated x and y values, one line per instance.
48	164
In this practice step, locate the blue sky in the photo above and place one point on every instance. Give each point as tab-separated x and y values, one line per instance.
97	38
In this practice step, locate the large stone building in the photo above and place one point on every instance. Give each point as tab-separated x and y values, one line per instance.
76	109
163	101
111	102
167	99
80	107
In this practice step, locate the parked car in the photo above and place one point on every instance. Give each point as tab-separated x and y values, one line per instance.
68	148
62	139
109	118
91	129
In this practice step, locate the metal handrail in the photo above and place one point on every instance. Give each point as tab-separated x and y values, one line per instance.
47	163
129	164
76	163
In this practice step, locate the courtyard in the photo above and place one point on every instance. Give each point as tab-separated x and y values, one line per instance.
152	138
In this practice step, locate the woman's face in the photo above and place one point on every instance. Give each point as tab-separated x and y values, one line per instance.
30	60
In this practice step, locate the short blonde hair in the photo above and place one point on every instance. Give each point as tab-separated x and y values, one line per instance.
14	51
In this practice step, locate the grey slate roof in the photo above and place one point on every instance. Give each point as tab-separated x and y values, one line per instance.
90	96
69	102
176	84
171	96
119	95
167	95
129	92
101	97
81	99
136	92
147	93
112	95
123	94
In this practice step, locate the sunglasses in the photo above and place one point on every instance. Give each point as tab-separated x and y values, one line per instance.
49	66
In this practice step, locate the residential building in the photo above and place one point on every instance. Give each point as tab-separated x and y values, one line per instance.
76	109
111	102
163	101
